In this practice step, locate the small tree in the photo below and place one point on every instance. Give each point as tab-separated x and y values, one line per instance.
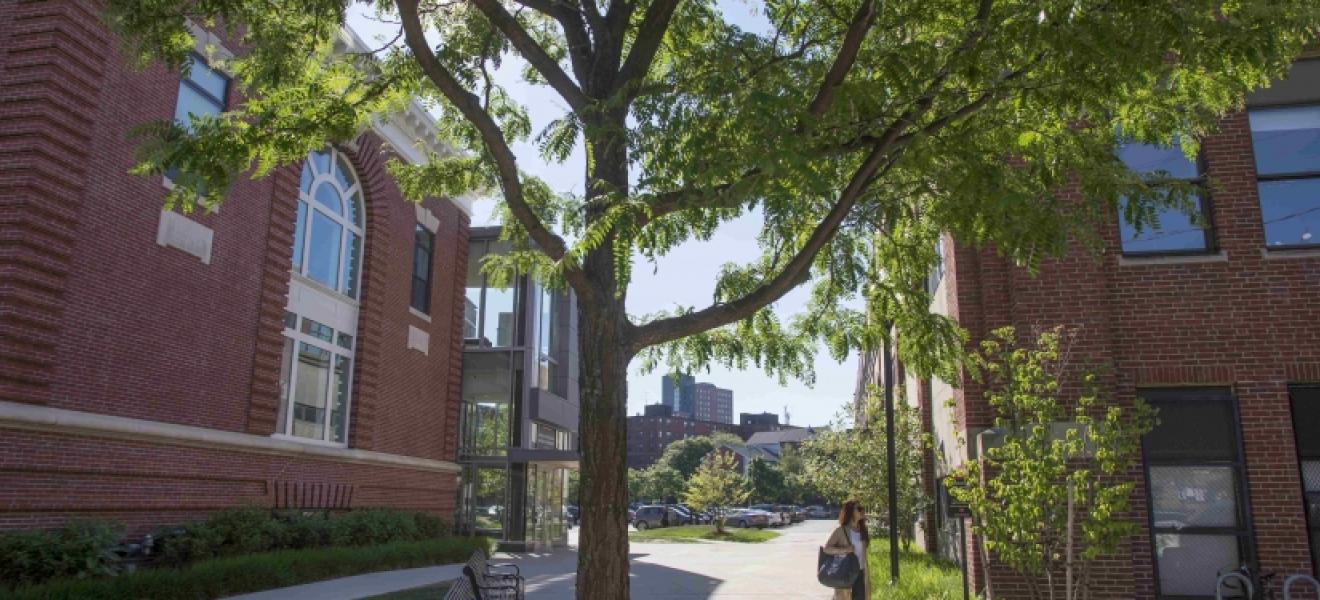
716	486
656	482
1050	499
851	462
685	455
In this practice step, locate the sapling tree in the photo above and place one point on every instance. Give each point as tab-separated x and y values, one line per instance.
1052	498
855	131
717	486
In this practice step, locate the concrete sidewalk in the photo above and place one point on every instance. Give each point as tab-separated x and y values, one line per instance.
783	568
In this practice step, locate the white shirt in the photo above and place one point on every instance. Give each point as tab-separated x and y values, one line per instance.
859	546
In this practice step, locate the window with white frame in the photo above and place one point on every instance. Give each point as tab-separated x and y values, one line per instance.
320	323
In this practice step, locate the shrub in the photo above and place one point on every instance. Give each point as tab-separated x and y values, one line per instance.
79	549
228	576
373	526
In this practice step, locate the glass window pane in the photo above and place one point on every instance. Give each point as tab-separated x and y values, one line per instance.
344	173
345	341
352	263
472	300
317	330
489	500
487	388
499	318
1174	231
323	252
1306	419
299	227
310	395
354	208
1193	497
305	180
1190	564
192	102
1286	140
1191	429
286	374
210	80
1290	211
1149	159
326	195
321	162
339	414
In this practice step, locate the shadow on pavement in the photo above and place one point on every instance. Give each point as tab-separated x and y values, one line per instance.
552	576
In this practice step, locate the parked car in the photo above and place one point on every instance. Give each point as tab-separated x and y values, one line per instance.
821	512
745	517
799	513
571	515
698	517
680	516
651	516
789	513
779	519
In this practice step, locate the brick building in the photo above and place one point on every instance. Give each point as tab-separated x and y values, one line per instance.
300	347
650	433
1215	327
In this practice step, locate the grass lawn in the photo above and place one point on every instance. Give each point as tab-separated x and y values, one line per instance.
695	533
426	592
920	575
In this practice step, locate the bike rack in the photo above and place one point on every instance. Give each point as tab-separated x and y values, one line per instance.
1219	585
1288	583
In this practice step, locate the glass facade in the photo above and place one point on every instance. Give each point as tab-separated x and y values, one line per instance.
1286	142
1174	230
517	422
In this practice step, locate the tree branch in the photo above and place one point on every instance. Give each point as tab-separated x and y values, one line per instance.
793	274
649	35
861	23
575	33
717	196
505	162
533	53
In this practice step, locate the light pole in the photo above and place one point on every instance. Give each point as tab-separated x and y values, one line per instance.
890	460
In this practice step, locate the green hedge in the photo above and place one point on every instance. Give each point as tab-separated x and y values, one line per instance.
228	576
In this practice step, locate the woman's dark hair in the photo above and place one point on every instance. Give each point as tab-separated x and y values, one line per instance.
846	517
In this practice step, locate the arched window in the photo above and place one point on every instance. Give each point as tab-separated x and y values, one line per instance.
320	322
327	240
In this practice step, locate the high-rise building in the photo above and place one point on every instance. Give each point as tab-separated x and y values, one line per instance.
696	400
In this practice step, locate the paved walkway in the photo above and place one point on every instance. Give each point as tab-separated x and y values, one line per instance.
781	568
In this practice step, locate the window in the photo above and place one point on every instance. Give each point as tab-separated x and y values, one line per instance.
937	272
1194	478
423	247
320	325
1174	231
315	380
489	382
1287	146
490	311
202	93
327	237
1306	422
548	376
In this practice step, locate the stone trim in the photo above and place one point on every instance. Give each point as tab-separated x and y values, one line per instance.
14	415
1172	259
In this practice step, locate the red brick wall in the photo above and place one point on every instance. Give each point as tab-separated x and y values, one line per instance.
96	316
1248	322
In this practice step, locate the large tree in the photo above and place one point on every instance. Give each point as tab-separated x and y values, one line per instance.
856	130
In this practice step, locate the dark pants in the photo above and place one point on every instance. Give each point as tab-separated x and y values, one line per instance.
859	587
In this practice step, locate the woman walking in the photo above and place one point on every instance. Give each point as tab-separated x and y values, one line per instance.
851	536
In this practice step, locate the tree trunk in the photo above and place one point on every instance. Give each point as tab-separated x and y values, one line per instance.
604	352
603	539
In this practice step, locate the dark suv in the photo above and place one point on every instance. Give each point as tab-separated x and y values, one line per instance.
648	517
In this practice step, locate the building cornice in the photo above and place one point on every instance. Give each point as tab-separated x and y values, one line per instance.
30	417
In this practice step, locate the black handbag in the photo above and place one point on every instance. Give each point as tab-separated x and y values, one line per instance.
838	572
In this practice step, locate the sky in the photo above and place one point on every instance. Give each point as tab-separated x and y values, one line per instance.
686	276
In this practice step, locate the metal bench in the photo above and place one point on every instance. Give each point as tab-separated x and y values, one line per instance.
460	590
493	581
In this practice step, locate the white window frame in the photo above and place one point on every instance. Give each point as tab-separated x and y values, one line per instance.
346	226
335	350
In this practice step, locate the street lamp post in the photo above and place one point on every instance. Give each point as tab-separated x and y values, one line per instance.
890	460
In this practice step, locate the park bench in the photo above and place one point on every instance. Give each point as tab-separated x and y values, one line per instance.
460	590
492	581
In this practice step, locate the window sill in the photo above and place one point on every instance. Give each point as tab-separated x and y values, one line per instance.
323	288
302	440
1289	253
419	314
1171	259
